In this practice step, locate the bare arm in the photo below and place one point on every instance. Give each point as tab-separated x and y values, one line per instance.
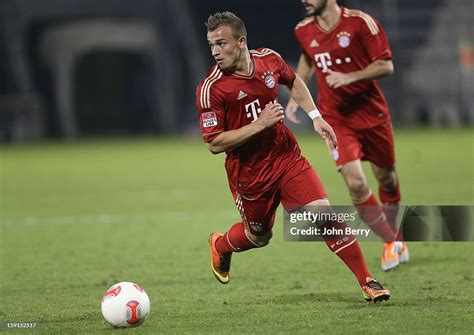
233	138
300	94
272	114
375	70
305	70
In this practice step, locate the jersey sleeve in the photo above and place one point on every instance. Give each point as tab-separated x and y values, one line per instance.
287	75
375	39
211	112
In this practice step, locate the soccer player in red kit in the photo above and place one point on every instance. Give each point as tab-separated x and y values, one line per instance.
349	50
239	114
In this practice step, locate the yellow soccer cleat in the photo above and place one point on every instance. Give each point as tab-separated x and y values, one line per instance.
220	263
373	291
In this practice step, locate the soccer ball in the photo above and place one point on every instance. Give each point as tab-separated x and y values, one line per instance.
125	305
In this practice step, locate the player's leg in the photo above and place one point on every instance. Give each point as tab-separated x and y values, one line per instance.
348	160
365	202
254	231
352	148
303	189
347	248
389	193
371	213
379	149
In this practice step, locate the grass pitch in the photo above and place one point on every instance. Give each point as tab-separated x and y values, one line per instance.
78	217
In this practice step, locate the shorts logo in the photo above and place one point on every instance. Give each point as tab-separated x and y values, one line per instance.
344	39
209	119
335	155
269	79
256	226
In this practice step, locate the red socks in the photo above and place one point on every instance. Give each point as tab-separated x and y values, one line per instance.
390	197
390	201
371	213
347	248
235	240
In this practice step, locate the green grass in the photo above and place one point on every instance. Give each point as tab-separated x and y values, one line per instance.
78	217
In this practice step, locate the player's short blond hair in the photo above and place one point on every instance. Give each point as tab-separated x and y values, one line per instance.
227	19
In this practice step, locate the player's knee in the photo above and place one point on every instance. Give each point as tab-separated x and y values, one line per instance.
261	240
388	181
358	186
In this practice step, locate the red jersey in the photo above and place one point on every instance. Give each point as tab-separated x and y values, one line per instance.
228	101
352	44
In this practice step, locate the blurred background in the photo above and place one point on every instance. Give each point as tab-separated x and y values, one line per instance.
75	68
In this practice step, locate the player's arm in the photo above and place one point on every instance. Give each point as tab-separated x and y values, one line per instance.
271	114
299	92
305	70
378	69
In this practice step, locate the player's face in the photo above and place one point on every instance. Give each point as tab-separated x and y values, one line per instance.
314	7
225	48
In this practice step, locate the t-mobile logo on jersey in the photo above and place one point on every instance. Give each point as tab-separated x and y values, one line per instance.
253	109
324	61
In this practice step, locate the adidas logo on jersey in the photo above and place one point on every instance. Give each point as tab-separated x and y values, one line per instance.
242	95
314	44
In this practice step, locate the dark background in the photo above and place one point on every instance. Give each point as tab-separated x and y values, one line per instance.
124	91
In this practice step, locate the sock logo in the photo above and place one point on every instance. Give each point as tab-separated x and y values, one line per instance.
338	243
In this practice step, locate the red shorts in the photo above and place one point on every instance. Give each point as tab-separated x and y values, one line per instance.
298	186
373	144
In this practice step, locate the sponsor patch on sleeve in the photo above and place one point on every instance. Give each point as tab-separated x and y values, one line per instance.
209	119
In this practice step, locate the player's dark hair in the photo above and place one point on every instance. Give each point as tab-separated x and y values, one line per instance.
227	19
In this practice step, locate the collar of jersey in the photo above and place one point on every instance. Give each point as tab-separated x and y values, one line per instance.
334	27
244	76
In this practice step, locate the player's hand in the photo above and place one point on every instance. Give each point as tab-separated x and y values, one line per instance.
338	79
325	131
290	111
271	115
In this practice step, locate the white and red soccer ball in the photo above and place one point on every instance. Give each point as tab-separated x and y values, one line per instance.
125	305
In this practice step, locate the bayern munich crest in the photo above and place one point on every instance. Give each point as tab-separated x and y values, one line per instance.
269	79
344	39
